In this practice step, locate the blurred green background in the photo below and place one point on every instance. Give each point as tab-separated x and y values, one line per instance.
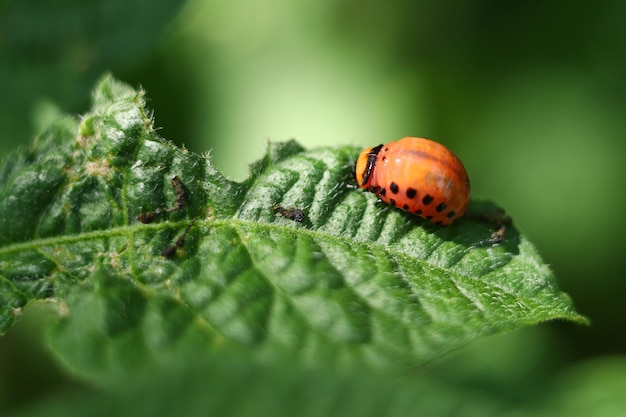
531	96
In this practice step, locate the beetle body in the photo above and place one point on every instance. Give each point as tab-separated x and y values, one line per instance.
417	175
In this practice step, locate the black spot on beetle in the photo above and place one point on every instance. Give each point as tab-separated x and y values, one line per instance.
405	207
418	212
382	192
411	192
440	207
429	217
427	199
451	214
392	202
394	188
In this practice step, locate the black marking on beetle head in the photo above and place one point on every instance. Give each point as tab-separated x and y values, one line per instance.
371	163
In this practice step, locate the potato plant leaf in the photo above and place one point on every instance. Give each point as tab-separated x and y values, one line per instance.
353	282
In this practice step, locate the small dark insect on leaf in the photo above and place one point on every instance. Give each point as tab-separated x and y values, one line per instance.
291	213
179	203
499	219
180	242
149	216
501	223
181	195
169	251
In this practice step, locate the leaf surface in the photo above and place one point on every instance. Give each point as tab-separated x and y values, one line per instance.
356	282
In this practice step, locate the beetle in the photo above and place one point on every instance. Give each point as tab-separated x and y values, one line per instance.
417	175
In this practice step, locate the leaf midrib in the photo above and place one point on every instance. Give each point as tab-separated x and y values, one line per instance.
130	230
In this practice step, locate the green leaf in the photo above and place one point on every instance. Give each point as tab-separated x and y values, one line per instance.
238	387
355	283
231	385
